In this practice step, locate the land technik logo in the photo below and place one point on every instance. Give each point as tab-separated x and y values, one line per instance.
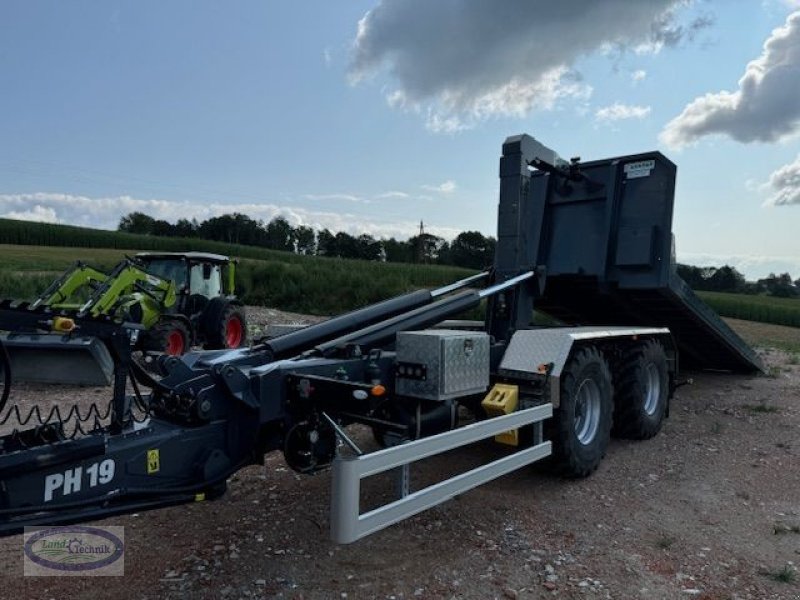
75	550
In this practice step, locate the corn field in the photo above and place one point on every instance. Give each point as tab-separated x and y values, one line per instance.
306	284
766	309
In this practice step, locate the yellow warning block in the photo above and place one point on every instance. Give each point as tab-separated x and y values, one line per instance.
153	461
503	399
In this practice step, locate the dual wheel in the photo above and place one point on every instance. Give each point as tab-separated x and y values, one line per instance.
631	403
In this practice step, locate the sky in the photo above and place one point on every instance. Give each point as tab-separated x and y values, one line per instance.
369	116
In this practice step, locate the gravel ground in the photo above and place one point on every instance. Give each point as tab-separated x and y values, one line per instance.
709	508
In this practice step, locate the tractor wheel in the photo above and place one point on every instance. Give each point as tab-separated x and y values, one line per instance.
170	336
581	426
225	325
642	390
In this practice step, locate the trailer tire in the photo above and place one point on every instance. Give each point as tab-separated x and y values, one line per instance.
224	324
641	391
581	425
169	336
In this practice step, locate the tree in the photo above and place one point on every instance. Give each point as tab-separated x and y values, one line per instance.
225	228
305	240
426	247
726	279
723	279
326	243
780	286
398	251
163	228
472	250
186	228
368	248
280	235
136	222
346	245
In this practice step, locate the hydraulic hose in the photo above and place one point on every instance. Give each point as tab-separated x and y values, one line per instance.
5	376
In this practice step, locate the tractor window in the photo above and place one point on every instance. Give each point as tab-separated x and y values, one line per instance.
174	270
210	287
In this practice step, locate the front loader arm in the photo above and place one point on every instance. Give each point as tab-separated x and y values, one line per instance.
62	289
128	278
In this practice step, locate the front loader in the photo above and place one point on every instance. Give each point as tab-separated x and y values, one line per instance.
589	241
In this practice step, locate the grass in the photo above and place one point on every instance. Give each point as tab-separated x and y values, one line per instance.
766	309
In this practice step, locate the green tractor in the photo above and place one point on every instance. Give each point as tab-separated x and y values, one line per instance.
205	311
180	300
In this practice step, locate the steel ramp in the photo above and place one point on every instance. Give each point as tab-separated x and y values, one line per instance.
705	341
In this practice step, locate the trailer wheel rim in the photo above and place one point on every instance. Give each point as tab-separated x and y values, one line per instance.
175	343
588	406
233	332
652	388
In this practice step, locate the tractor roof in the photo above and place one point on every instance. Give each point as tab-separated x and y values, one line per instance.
191	256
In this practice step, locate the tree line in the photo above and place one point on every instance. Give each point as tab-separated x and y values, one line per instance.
469	249
728	279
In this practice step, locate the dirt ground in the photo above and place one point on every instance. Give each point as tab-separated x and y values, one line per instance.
709	508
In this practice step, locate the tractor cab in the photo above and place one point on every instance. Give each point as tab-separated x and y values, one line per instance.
194	273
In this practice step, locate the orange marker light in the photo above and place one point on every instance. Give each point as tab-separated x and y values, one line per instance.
63	324
378	390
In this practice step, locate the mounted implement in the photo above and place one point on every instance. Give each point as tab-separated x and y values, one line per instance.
178	299
590	242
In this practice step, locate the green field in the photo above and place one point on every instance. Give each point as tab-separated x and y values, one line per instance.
32	254
766	309
307	284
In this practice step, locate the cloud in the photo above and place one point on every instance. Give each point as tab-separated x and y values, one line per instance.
765	108
392	195
37	213
448	187
345	197
785	185
460	62
638	75
105	213
619	112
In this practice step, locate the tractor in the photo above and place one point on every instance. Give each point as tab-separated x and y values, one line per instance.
206	311
177	300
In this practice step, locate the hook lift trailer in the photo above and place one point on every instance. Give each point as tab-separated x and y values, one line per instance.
587	242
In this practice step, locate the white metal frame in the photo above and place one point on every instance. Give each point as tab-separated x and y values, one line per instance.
349	525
